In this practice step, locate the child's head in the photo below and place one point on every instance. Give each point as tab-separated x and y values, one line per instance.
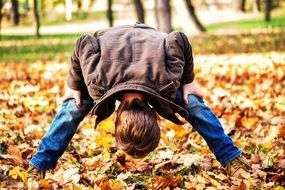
136	132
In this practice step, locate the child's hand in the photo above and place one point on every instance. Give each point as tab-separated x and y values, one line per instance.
191	88
70	93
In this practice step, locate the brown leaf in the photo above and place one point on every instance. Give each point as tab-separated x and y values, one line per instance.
164	182
105	186
278	177
7	182
14	151
206	165
242	186
282	132
255	159
281	163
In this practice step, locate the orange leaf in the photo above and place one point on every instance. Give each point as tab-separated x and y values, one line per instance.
14	151
249	122
105	186
242	186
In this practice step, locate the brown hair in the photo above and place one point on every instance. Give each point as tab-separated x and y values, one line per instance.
136	129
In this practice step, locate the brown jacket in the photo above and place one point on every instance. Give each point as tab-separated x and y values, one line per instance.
132	58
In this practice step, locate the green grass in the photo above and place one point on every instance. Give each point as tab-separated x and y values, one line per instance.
278	21
58	19
6	37
266	41
76	17
27	47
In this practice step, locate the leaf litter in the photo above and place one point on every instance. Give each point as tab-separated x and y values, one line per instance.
246	91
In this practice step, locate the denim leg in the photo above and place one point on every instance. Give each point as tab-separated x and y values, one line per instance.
204	121
62	129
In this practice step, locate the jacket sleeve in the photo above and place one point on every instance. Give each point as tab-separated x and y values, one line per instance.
84	59
75	79
188	70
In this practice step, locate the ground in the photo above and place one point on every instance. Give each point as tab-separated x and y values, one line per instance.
243	77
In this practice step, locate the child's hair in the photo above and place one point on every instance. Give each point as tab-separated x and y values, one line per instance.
136	129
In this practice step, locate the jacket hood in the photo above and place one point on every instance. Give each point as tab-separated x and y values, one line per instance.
163	106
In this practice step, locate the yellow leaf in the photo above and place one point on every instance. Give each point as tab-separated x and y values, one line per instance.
88	126
106	154
216	164
267	145
279	188
190	185
249	122
180	130
106	128
214	182
16	173
117	184
106	125
75	187
104	140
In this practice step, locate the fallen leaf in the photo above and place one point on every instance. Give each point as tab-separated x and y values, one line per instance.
242	186
189	160
17	173
249	122
278	177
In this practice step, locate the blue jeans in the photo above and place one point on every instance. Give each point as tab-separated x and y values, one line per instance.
65	124
62	129
204	121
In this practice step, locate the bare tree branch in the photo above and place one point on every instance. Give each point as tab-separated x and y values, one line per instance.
192	13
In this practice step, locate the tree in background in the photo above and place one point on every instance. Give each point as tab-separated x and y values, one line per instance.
139	10
1	5
257	6
37	18
15	12
86	5
193	16
163	15
110	13
239	5
268	8
79	4
68	10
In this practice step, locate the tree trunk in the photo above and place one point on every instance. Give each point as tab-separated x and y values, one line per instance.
268	10
86	5
191	11
257	5
79	5
239	5
68	10
110	13
0	17
37	18
164	16
242	6
15	13
139	10
26	6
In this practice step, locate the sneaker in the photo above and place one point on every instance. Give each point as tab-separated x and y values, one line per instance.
238	168
35	174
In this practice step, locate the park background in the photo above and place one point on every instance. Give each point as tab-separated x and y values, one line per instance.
238	48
